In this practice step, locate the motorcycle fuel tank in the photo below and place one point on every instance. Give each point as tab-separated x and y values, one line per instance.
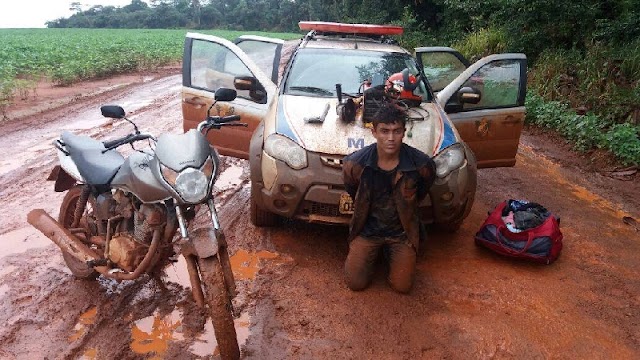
135	176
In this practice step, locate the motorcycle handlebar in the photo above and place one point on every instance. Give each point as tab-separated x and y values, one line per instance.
227	119
216	122
109	145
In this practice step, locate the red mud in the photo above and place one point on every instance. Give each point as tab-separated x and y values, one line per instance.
467	302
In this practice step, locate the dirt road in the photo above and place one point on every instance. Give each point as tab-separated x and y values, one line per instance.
467	302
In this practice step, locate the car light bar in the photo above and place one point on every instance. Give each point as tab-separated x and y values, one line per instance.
342	28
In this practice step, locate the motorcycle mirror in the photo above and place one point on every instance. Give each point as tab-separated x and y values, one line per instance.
112	111
225	94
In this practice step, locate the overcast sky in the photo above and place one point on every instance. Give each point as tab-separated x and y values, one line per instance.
34	13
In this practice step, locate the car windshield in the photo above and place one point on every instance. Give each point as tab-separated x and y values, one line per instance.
315	72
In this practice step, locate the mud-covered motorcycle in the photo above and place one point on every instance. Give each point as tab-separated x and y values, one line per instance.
119	215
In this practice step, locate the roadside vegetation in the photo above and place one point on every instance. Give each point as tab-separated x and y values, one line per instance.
584	57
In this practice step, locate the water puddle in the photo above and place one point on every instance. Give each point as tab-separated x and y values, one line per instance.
21	240
84	322
177	273
206	344
153	335
246	265
86	124
229	178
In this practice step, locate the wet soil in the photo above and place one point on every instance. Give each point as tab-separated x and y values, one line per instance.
293	303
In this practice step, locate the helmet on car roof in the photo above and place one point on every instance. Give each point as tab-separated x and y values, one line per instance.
400	86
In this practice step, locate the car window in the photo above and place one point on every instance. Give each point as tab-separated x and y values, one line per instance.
315	72
498	83
262	53
214	66
441	68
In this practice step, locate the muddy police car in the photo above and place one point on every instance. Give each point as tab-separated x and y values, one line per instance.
310	104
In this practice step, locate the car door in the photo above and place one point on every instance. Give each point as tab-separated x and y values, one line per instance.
485	102
210	62
441	65
264	51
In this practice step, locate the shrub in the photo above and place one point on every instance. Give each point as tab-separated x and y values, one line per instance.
585	131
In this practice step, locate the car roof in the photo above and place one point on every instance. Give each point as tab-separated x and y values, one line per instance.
356	45
359	43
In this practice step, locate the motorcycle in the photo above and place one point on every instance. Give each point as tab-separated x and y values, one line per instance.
119	215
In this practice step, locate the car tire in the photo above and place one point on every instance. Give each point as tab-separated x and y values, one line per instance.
261	217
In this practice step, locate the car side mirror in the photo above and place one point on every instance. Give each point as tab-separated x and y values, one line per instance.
112	111
468	95
225	94
251	84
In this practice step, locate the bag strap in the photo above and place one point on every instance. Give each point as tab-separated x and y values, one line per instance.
517	252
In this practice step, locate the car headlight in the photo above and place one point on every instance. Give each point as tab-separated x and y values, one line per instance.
449	159
285	149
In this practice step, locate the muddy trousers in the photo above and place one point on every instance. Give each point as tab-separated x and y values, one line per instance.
363	253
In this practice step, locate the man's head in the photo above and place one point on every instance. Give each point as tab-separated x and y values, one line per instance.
388	128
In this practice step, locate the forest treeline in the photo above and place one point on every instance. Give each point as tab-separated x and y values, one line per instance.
526	25
584	56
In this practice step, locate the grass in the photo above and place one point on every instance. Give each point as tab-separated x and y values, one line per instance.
65	56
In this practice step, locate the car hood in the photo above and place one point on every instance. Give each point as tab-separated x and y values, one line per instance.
429	132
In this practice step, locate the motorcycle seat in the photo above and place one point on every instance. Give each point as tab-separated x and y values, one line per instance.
95	167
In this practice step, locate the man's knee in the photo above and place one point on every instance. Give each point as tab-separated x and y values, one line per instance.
357	283
402	285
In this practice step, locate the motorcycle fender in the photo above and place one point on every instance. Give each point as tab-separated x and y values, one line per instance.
205	242
63	180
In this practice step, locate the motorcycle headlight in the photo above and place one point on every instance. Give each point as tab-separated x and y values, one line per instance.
449	159
285	149
192	185
169	175
208	167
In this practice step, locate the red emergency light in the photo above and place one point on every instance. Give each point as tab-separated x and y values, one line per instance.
341	28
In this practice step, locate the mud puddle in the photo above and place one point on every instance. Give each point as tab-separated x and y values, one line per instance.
21	240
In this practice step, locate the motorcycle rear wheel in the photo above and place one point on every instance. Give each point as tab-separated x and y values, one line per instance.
78	268
218	300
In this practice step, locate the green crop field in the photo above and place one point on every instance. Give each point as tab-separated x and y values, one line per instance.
65	56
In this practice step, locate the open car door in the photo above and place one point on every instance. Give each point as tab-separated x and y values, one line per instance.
209	63
486	104
441	65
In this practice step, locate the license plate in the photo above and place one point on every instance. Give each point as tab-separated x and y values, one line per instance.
346	204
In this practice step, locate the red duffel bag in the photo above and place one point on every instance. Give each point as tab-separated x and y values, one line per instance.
535	235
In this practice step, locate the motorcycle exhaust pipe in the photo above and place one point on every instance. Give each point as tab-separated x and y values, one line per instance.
61	236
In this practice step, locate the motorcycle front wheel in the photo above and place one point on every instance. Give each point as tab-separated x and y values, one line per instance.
67	209
218	300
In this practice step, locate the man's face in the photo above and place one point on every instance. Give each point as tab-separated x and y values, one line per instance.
389	137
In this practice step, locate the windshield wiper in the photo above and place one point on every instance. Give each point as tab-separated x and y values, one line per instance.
311	90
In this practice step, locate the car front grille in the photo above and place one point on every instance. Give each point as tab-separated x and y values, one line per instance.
317	208
331	161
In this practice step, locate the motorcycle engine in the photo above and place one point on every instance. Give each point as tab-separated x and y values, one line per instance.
126	252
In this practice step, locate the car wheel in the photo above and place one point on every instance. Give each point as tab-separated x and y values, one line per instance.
261	217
